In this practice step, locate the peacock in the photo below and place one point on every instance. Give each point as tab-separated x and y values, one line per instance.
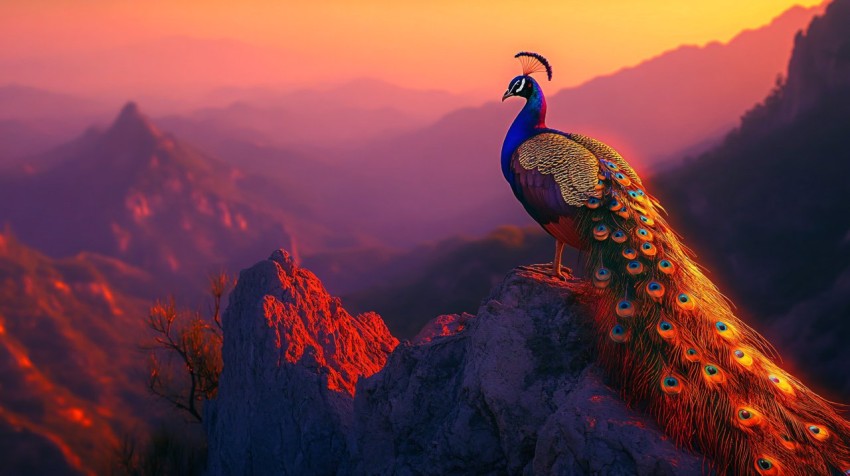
667	337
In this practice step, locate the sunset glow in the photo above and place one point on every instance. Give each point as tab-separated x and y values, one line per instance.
456	46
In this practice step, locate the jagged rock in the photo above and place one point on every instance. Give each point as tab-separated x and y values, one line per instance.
513	390
820	63
441	326
292	356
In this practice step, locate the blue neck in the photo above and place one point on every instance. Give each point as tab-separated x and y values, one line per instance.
529	122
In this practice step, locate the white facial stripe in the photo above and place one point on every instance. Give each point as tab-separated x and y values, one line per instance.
521	85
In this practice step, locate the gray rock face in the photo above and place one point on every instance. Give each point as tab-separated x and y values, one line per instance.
515	392
512	390
292	356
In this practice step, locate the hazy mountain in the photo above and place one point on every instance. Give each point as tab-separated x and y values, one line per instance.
767	210
323	124
72	382
655	110
144	196
166	72
446	177
312	118
450	276
22	102
34	120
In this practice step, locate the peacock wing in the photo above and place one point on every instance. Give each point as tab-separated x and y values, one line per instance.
553	178
552	171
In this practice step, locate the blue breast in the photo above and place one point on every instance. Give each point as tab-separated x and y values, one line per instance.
529	122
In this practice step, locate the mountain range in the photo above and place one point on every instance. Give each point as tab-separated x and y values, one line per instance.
135	193
676	101
123	213
69	371
766	210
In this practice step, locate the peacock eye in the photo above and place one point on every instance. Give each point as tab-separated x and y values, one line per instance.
665	326
739	353
692	352
665	264
625	308
671	381
764	464
744	414
711	370
814	429
683	298
721	326
654	286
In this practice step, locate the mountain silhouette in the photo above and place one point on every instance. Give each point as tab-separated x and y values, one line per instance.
648	112
766	210
142	195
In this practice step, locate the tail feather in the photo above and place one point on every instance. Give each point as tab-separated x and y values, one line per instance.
669	338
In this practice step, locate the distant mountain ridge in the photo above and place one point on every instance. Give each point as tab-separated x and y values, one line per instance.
141	195
648	112
767	210
656	109
71	383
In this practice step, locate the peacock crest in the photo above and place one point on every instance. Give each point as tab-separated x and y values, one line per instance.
533	63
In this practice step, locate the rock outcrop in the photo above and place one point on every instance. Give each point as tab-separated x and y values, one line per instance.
292	356
820	64
513	390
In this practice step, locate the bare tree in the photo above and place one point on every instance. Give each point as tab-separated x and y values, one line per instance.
185	356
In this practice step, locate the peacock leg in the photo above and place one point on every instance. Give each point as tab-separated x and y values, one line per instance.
554	269
556	263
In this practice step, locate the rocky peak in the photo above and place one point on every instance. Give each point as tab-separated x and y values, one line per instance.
133	128
292	357
820	63
513	390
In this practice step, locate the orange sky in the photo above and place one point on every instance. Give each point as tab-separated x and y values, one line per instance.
458	46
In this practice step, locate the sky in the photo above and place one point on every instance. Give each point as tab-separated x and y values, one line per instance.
459	46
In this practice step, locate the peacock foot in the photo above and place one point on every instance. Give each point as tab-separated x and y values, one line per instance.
548	270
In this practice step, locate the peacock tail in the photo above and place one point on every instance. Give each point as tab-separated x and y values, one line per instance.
671	341
668	338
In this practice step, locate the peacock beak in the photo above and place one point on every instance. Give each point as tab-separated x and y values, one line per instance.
506	95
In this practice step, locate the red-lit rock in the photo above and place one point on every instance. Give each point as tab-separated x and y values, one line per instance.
511	391
292	357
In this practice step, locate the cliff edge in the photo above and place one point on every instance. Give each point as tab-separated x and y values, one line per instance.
309	389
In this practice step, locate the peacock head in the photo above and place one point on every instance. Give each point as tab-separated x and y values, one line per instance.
524	85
